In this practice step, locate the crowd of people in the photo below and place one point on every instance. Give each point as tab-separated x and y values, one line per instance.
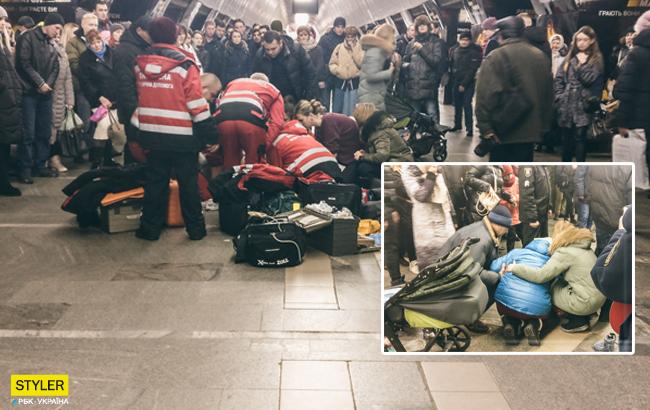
431	209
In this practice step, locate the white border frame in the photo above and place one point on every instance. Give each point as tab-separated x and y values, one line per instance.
456	163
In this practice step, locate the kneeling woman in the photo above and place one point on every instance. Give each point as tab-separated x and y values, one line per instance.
573	291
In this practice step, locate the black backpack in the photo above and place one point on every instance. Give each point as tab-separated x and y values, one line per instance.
270	243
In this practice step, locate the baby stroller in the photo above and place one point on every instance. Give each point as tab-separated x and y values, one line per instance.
424	134
440	300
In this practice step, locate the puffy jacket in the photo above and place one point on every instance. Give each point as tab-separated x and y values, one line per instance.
296	62
11	95
216	57
534	193
518	294
296	150
74	49
383	142
345	64
478	179
632	88
574	86
124	56
272	102
237	63
37	61
608	190
465	62
340	134
63	91
96	76
375	70
425	66
170	100
576	293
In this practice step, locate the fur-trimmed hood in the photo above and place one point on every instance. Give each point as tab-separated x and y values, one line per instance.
378	121
382	37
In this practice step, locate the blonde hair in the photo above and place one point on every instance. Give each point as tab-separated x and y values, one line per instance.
307	108
565	234
362	112
89	16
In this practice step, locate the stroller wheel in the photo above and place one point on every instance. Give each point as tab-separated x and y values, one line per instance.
454	339
440	155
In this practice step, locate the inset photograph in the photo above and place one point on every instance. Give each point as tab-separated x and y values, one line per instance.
508	258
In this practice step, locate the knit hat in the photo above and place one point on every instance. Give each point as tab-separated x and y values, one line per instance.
142	22
26	22
116	27
276	25
501	215
53	18
489	23
383	37
3	13
422	20
643	23
162	30
511	27
339	21
465	35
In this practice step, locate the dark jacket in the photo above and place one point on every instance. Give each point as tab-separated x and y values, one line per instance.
401	44
340	134
478	179
425	67
96	76
465	63
383	142
328	43
616	60
317	57
131	45
531	70
534	193
296	63
608	190
576	87
11	94
216	58
579	181
37	61
633	85
565	179
612	273
237	63
537	37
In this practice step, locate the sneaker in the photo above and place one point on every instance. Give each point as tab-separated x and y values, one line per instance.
478	327
531	330
608	344
510	335
403	261
46	173
397	282
10	191
210	205
575	324
413	267
25	177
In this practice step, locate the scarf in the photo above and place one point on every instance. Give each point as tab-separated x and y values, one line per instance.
100	54
309	45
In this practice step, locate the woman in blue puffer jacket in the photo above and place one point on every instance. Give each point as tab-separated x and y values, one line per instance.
523	304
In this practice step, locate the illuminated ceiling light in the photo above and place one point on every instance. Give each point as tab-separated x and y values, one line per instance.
301	19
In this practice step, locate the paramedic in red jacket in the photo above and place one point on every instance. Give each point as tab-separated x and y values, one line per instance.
249	112
171	110
297	151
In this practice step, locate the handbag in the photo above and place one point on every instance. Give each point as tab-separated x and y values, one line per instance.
488	200
598	128
116	133
71	121
72	136
270	242
514	104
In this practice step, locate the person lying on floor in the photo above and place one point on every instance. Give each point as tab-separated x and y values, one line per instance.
523	304
573	291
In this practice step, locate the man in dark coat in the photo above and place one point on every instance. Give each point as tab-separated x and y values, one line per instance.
11	125
479	179
134	42
517	63
465	62
425	60
287	67
37	64
536	35
633	85
328	43
404	40
534	202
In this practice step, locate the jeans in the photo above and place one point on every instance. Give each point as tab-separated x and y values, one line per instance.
344	101
574	141
34	151
324	97
584	217
463	104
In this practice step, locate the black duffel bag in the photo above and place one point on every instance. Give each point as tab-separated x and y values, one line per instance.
338	195
270	243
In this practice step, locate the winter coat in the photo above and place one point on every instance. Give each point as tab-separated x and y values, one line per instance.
375	70
296	63
579	181
534	193
616	60
345	64
37	61
340	134
216	58
316	55
575	292
632	87
565	179
455	181
537	37
612	273
63	91
401	44
383	142
608	190
124	56
96	76
520	295
465	62
432	222
11	95
575	88
478	179
204	56
328	42
74	49
237	63
529	64
425	67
